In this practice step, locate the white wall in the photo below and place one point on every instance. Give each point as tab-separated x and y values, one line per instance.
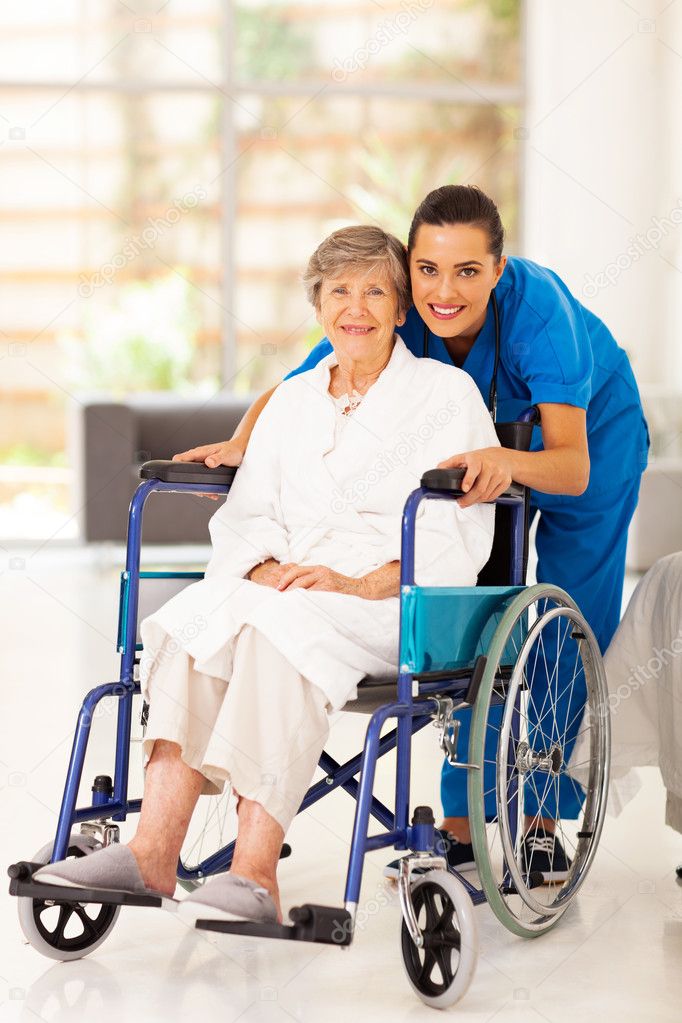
603	164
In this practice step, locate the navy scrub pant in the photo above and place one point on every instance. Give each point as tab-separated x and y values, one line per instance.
581	548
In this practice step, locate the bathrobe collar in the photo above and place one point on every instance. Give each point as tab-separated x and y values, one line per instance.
375	410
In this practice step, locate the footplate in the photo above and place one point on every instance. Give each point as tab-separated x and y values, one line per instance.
22	884
323	924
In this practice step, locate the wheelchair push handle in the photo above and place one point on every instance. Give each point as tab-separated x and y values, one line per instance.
450	480
187	472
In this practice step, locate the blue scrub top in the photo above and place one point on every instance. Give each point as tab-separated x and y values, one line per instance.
552	349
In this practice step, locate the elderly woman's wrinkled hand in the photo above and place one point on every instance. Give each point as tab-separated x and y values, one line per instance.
268	573
319	577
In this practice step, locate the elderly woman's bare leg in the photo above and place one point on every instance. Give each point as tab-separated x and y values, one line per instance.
266	743
259	843
171	791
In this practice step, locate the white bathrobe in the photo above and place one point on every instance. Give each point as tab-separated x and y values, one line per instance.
315	489
643	667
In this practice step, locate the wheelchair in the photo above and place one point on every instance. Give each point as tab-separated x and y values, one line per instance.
501	653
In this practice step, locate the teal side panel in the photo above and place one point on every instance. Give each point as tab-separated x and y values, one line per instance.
448	627
124	597
122	610
171	575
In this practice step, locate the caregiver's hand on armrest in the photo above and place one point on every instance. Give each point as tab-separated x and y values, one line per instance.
226	452
382	582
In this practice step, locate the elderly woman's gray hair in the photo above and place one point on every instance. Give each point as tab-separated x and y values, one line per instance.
361	249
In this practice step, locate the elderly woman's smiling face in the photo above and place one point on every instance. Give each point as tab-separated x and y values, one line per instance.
359	312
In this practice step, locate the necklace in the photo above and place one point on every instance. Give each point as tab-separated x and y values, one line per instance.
347	404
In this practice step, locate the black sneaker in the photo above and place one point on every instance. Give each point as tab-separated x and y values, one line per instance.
544	854
460	856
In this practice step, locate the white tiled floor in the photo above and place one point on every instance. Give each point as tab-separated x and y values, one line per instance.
617	955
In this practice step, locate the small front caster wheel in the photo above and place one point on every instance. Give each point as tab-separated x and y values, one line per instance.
441	971
66	930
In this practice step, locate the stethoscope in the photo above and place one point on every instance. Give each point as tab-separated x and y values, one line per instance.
492	395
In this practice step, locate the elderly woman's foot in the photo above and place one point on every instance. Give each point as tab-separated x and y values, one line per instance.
231	897
112	868
156	875
267	879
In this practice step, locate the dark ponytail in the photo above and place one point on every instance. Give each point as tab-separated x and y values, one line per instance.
460	204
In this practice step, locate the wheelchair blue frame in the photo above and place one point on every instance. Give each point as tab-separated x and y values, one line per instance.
410	716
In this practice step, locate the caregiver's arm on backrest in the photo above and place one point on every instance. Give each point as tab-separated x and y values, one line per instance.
231	452
228	452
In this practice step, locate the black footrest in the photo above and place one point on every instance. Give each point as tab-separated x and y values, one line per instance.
323	924
23	885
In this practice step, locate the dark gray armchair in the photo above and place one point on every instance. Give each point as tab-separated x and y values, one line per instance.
110	440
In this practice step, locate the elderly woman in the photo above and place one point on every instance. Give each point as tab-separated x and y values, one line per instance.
241	676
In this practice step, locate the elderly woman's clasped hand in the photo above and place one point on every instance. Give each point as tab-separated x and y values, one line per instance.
290	576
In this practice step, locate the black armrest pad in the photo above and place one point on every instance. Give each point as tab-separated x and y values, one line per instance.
450	479
187	472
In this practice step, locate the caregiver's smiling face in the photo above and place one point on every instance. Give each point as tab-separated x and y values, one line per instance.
452	274
359	313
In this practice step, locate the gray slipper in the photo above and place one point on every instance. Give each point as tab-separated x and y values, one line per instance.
113	868
229	897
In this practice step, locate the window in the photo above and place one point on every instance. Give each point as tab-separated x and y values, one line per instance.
169	168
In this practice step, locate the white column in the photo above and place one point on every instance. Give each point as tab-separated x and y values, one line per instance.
603	162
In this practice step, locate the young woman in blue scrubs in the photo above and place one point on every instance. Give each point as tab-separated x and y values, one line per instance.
585	463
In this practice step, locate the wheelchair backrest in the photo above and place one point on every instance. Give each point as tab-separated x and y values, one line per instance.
497	570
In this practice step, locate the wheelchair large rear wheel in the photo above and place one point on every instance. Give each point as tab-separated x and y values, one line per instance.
528	715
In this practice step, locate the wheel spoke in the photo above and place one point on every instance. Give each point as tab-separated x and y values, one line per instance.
563	691
444	960
575	717
65	912
578	790
547	783
88	923
445	921
452	938
432	914
569	846
547	692
427	966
